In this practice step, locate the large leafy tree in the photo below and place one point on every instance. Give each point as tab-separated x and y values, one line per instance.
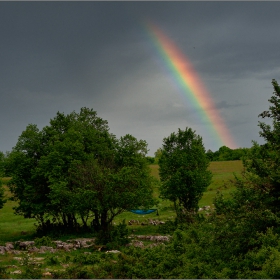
183	170
253	207
120	183
263	161
71	167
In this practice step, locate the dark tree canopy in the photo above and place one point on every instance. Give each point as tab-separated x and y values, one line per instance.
183	169
264	160
74	168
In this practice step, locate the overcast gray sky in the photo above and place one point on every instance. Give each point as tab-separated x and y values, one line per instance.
61	56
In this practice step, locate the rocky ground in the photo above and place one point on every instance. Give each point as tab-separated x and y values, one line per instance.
20	247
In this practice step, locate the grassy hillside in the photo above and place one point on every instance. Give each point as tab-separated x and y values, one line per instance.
13	226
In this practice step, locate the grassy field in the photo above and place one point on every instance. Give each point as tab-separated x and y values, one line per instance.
12	226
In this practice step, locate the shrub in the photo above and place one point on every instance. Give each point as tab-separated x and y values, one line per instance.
44	241
168	228
116	237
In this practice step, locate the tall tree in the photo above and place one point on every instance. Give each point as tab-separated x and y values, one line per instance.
120	183
46	167
183	170
264	160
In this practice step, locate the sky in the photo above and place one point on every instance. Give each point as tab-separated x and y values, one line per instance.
62	56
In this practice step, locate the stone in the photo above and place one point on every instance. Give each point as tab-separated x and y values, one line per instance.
9	246
138	244
16	272
113	251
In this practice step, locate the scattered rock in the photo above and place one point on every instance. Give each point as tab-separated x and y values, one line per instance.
11	265
25	244
204	208
44	249
9	246
16	252
136	243
16	272
2	250
113	251
33	250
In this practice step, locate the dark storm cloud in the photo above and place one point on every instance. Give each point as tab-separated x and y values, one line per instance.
60	56
224	105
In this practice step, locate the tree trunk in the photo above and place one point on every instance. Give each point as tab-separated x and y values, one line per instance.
104	222
95	222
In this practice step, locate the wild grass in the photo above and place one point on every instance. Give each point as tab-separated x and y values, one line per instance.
15	227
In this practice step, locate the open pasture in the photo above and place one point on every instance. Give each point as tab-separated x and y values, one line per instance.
14	227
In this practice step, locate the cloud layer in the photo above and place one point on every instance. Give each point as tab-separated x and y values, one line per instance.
61	56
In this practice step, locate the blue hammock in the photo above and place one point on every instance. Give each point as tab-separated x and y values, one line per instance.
143	212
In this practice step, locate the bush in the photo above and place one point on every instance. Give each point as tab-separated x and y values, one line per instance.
168	228
116	237
3	272
44	241
86	259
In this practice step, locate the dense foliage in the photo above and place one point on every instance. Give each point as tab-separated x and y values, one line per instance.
2	173
225	153
2	194
74	172
183	170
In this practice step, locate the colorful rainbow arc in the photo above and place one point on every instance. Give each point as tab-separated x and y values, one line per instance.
189	81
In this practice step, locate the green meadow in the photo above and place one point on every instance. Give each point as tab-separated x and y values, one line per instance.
15	227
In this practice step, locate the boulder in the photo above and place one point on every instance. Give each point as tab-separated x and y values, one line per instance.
9	246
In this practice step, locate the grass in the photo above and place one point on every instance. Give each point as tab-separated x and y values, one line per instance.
12	226
223	171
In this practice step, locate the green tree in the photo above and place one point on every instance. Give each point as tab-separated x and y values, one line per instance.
45	167
150	160
2	163
253	208
225	153
263	160
2	194
158	154
210	155
183	170
120	183
2	172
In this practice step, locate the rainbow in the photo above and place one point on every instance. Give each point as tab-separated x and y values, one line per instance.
190	83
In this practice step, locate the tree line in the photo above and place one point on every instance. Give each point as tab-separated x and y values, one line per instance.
75	174
223	154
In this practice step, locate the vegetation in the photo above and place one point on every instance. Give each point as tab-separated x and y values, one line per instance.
2	196
74	169
2	172
16	227
183	171
226	153
239	238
